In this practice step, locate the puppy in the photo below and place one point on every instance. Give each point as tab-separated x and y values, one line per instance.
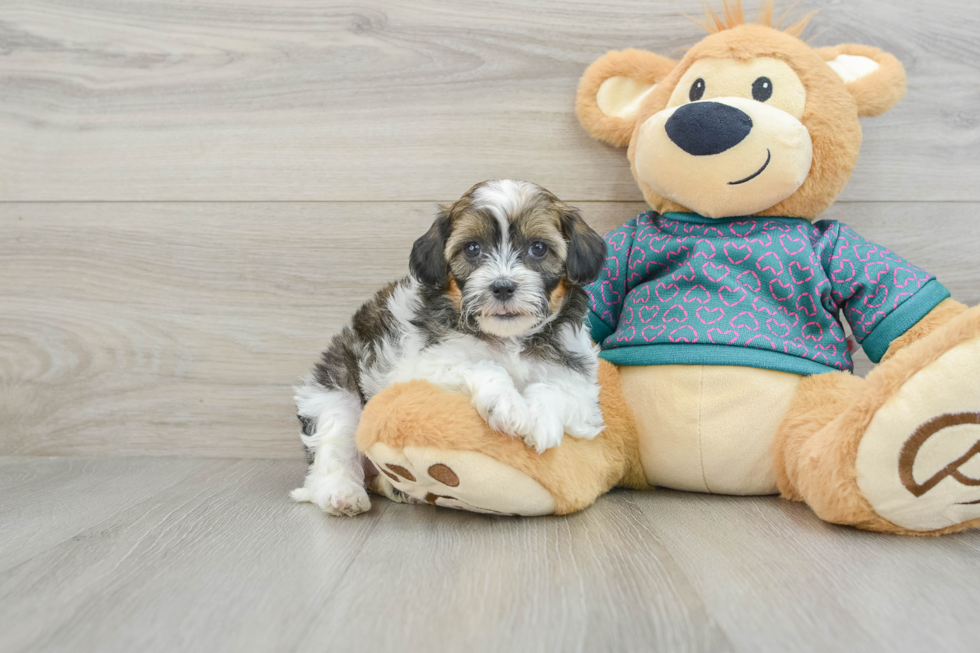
494	308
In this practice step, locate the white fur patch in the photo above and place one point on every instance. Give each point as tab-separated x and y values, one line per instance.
506	327
404	301
329	410
504	198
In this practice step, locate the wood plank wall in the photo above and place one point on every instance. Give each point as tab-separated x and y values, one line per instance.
195	196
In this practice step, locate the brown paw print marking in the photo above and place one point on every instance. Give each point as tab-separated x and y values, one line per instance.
401	471
444	475
431	498
906	459
389	475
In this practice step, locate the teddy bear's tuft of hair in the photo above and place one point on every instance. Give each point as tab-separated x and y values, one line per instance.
735	16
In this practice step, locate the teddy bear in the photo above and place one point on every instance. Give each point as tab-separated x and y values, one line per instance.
725	364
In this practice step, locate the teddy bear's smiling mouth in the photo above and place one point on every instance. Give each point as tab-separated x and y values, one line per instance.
756	173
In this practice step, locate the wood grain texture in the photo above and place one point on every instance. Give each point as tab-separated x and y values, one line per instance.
179	328
220	560
770	569
600	580
71	495
315	100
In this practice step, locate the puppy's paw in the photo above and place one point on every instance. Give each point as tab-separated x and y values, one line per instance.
549	407
549	423
335	494
587	425
506	412
547	432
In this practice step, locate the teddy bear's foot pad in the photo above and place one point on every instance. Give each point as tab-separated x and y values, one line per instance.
464	480
918	464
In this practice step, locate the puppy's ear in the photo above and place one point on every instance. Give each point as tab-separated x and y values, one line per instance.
586	249
428	260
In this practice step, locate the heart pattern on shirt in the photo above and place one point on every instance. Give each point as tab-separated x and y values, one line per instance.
775	284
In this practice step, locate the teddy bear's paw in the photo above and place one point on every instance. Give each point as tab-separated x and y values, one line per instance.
918	463
335	494
381	485
464	480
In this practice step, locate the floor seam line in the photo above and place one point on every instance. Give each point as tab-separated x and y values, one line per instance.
343	574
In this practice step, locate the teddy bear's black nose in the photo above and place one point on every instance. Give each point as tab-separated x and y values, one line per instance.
703	128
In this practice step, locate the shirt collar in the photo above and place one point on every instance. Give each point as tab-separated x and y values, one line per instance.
700	219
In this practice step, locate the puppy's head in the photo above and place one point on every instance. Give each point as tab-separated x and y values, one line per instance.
507	252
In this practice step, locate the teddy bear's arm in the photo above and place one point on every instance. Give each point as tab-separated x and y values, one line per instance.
607	293
882	296
937	317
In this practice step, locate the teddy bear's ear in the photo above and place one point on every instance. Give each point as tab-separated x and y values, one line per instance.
612	89
876	79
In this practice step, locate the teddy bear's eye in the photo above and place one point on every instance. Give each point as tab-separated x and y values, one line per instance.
697	90
762	89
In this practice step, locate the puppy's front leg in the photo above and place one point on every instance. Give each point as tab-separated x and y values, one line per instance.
563	406
493	394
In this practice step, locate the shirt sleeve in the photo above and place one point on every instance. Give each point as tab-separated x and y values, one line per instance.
881	294
607	293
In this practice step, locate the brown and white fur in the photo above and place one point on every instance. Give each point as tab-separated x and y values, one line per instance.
494	308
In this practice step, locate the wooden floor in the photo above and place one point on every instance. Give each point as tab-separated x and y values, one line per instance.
156	554
194	196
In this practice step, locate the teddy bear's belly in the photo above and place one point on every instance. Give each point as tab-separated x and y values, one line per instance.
708	428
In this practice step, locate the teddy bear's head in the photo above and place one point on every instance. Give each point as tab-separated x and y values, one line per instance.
751	121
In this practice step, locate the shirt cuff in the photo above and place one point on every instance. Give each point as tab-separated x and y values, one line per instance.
903	318
598	329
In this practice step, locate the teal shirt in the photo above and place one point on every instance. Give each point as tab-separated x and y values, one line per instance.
764	292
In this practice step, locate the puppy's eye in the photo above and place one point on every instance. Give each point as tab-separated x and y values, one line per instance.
697	90
472	250
762	89
537	249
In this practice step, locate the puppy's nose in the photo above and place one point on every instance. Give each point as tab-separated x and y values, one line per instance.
503	289
704	128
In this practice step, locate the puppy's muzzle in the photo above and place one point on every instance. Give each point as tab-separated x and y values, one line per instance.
503	289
